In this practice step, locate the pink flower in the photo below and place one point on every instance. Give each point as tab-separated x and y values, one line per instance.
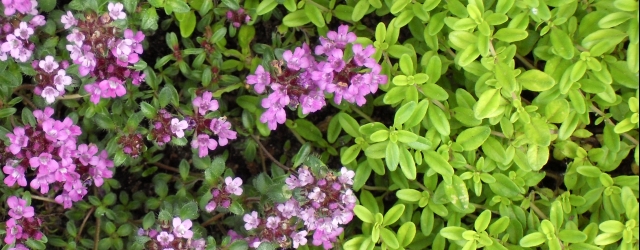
346	176
15	173
18	208
49	94
299	238
222	128
95	92
205	103
68	20
48	64
233	185
115	11
203	143
14	230
260	79
18	140
181	228
178	126
251	220
23	31
61	80
112	88
164	238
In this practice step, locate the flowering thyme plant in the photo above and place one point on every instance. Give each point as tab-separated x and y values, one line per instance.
319	124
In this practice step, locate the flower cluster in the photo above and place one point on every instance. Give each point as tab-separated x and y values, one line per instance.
305	80
96	46
51	78
15	32
165	125
236	18
177	235
50	150
320	209
132	144
222	196
22	224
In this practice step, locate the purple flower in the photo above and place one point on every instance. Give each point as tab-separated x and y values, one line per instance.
23	31
14	230
251	221
222	128
49	94
18	140
346	176
178	126
76	190
233	185
362	56
61	80
15	173
203	143
86	152
288	209
305	177
18	208
181	228
296	60
259	80
164	238
115	11
95	92
112	88
13	45
48	64
54	130
272	222
76	37
44	163
38	20
68	20
205	103
342	37
299	238
87	63
210	206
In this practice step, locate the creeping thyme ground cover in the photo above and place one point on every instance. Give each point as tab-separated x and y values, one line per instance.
319	124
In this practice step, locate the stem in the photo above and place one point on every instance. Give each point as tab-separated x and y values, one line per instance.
297	136
599	112
212	220
41	198
478	206
273	159
24	86
25	99
374	188
96	239
322	8
70	97
166	167
361	113
535	208
441	106
526	62
84	222
498	134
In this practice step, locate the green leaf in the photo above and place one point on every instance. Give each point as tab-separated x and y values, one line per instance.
458	193
572	236
314	14
407	165
473	138
350	154
510	35
349	124
398	6
453	233
392	156
494	150
167	95
389	238
504	186
536	80
612	226
5	112
188	24
360	10
418	114
406	233
104	121
439	120
178	6
296	19
533	239
403	114
363	214
406	65
487	105
439	164
538	132
393	214
265	7
410	195
562	44
189	211
434	91
611	138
